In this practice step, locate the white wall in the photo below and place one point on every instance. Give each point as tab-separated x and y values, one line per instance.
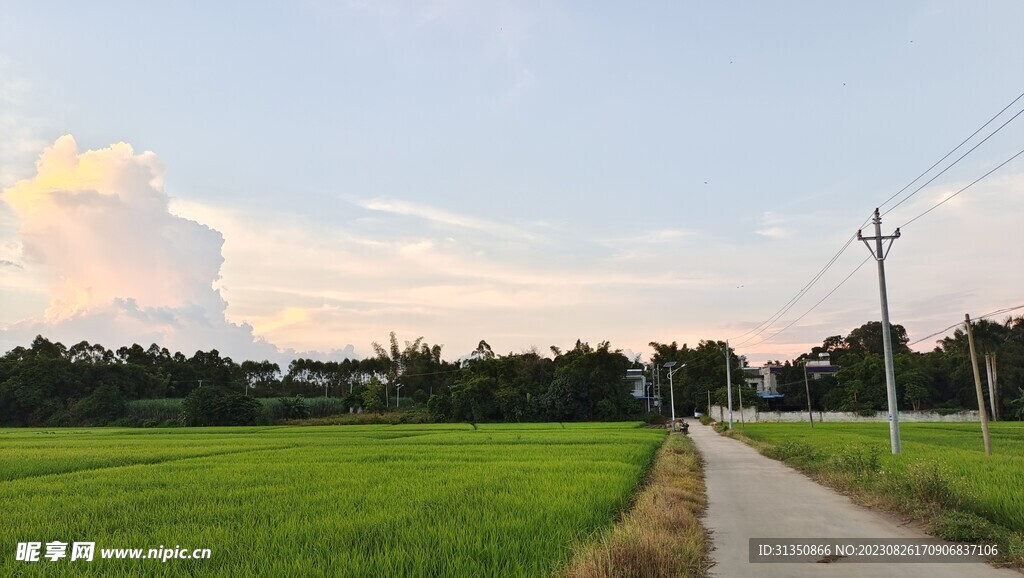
752	415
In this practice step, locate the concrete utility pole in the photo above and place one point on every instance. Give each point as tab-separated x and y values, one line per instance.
995	388
657	389
728	380
977	386
807	386
991	386
890	375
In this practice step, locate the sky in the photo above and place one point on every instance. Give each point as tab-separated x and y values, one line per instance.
281	179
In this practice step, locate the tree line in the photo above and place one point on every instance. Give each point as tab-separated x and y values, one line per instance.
941	379
48	383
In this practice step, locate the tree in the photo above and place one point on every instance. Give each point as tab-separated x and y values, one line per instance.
212	405
868	339
373	401
260	376
1017	404
584	378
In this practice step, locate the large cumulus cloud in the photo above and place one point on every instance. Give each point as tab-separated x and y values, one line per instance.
116	265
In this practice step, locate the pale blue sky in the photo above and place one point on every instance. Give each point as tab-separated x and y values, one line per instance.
530	173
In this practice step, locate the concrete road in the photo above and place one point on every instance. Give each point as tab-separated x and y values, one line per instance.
751	496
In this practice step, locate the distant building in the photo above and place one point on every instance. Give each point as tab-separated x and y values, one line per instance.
821	366
753	377
642	389
768	386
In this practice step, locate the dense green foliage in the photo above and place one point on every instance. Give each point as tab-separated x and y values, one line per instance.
943	466
704	374
939	379
211	405
50	384
429	500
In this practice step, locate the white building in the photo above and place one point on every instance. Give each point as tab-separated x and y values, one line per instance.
642	389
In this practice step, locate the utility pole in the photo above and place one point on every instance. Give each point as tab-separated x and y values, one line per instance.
728	380
977	386
739	390
807	386
995	387
657	389
991	389
890	374
709	403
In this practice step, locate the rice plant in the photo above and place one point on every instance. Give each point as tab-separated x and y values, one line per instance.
412	500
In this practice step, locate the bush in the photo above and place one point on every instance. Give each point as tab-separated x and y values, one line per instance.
215	406
705	419
440	408
292	408
104	405
654	418
861	463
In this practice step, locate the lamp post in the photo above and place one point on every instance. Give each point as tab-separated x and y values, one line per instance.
672	389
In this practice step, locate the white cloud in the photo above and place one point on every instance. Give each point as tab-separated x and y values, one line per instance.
117	267
441	217
771	225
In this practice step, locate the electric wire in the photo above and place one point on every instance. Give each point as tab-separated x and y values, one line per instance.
766	325
959	323
944	201
815	305
918	189
953	150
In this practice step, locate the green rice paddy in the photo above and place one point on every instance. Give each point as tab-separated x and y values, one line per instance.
415	500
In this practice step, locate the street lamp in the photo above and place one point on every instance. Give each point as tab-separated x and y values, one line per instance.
672	389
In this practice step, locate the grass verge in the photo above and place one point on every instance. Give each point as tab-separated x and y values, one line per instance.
662	534
922	489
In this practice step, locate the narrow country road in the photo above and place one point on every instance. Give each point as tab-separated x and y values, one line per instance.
751	496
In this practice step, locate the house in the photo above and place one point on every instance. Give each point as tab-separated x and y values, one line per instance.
816	368
768	387
642	389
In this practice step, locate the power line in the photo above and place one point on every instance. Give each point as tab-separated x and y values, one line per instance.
792	323
959	323
943	201
918	189
954	149
766	324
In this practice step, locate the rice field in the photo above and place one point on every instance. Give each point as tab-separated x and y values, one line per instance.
413	500
942	465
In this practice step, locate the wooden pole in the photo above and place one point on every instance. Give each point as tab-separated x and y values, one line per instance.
977	386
